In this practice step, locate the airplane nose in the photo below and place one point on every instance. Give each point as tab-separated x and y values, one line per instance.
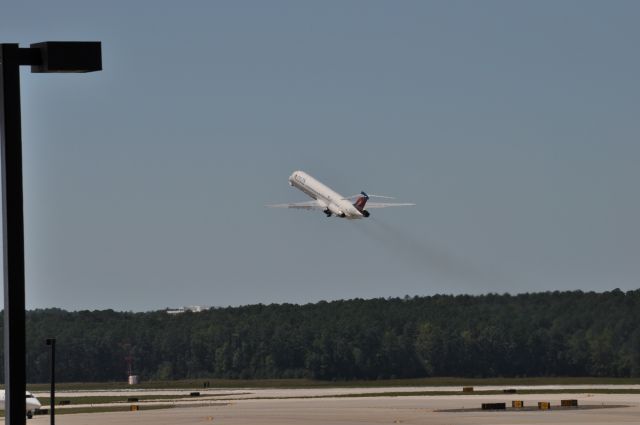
34	402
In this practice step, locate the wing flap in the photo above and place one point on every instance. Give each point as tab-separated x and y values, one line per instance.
311	205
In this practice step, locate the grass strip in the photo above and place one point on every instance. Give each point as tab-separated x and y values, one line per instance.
112	399
125	399
308	383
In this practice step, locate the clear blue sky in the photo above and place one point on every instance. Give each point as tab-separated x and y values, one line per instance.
515	127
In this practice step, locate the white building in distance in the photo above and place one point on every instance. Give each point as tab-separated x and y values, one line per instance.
191	308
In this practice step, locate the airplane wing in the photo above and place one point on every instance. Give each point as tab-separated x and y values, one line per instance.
311	205
371	205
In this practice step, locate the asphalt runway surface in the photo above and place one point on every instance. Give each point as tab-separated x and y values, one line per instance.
371	410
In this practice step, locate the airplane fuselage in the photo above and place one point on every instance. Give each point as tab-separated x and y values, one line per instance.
330	200
32	403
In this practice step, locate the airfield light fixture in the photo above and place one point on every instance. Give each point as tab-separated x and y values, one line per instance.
46	57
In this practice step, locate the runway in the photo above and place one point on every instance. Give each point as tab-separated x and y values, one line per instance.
372	410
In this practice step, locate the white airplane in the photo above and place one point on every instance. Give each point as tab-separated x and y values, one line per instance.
33	403
331	202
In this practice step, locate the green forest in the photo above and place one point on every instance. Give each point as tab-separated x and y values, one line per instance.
528	335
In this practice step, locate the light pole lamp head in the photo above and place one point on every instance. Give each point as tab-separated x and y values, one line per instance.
68	56
51	341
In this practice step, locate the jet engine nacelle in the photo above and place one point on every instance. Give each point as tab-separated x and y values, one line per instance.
365	213
335	210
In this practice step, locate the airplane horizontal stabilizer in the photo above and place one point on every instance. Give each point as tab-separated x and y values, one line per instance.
371	205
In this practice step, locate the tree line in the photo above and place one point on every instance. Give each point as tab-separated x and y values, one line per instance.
541	334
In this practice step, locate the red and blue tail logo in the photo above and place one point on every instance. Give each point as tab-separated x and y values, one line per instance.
361	201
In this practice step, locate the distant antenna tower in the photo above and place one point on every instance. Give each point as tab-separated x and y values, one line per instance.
132	379
129	360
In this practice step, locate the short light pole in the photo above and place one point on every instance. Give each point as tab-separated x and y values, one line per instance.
50	56
52	393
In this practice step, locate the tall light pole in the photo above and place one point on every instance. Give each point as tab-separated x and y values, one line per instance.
52	378
51	56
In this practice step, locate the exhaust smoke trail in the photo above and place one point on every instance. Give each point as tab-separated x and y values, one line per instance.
423	255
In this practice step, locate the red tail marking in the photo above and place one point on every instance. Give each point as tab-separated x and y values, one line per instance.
360	203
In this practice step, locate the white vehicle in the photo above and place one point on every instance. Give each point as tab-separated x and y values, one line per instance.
331	202
33	403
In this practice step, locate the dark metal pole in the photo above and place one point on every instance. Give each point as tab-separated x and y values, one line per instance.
52	395
13	236
50	56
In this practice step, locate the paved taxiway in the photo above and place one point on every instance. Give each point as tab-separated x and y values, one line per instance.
314	392
372	410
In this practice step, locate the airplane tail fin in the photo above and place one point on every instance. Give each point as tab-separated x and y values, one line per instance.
361	201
